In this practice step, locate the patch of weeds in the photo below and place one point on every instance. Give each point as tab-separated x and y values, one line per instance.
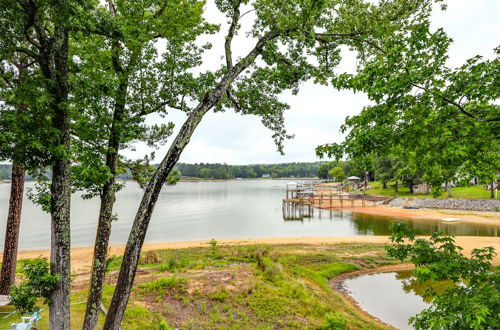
253	252
137	317
267	306
162	285
150	257
171	265
333	321
113	263
214	249
215	315
203	307
272	271
164	326
322	273
221	295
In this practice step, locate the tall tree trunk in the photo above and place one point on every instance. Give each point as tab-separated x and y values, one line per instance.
396	188
148	202
492	190
59	313
448	189
8	274
411	186
105	215
384	184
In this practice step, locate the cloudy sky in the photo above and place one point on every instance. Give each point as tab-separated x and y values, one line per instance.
317	112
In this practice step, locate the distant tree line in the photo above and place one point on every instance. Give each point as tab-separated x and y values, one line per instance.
222	171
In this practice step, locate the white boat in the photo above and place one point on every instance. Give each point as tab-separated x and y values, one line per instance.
450	219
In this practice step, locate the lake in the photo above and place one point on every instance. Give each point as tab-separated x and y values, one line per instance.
216	209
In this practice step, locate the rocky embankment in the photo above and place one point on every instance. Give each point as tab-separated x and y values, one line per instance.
448	203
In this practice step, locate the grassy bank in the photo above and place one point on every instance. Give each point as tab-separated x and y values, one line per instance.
249	287
471	192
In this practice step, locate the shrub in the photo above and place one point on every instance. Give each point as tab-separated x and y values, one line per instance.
39	283
333	321
220	295
214	249
164	326
163	284
150	257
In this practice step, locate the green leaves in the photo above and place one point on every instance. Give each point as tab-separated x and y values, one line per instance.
38	283
441	122
474	300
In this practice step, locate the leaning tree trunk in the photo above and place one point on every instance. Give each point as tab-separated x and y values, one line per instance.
8	274
146	207
105	215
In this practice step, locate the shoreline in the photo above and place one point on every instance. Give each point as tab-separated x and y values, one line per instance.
475	217
81	258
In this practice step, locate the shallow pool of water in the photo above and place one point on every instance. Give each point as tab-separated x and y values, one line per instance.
391	297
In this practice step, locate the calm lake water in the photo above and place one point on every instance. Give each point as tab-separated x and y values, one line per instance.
391	297
205	210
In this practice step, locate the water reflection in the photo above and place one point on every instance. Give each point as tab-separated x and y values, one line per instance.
391	297
367	224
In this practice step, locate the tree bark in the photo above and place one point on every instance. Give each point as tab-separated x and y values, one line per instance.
384	184
57	58
105	215
492	190
146	207
411	186
8	274
396	186
448	189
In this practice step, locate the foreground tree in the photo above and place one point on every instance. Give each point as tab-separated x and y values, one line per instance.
122	78
473	302
41	31
21	130
13	77
8	275
296	41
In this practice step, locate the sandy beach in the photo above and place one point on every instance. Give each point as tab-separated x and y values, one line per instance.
81	258
485	218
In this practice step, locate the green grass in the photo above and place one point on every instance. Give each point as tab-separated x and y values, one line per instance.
246	287
162	285
470	192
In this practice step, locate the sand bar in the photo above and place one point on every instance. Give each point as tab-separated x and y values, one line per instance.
484	218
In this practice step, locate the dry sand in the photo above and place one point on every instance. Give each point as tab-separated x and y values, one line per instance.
81	258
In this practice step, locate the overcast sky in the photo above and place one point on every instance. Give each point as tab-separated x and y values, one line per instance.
317	112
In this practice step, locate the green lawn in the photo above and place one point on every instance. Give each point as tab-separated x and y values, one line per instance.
244	287
471	192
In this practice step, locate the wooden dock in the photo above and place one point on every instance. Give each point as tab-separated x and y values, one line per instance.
301	199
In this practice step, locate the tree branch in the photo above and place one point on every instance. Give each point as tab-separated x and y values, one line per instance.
354	36
27	52
230	34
